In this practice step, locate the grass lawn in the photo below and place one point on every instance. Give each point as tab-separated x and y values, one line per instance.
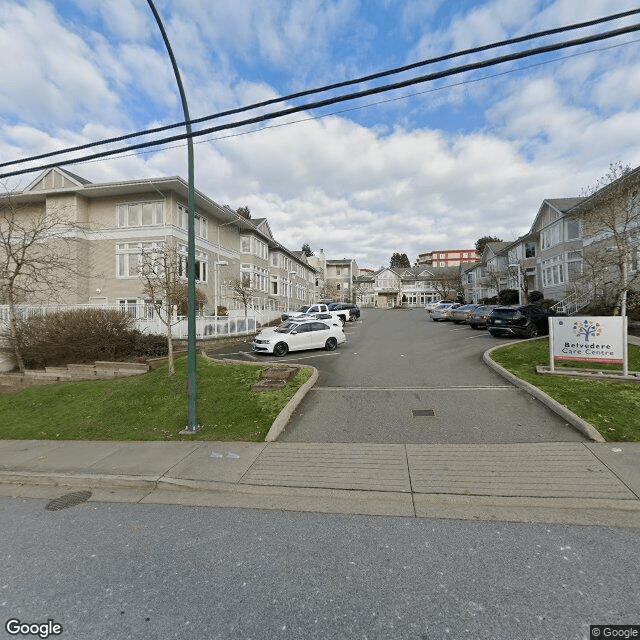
613	408
148	407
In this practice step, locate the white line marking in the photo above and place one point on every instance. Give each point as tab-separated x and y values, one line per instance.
293	355
322	355
488	388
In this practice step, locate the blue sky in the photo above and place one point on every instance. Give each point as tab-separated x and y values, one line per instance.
430	167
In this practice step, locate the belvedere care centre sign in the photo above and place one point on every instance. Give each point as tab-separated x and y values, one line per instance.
600	339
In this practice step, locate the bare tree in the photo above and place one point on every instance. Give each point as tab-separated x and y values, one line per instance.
39	258
447	281
517	271
611	229
494	278
243	292
592	280
328	291
363	293
163	271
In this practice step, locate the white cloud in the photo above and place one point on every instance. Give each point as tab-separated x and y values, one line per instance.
123	19
352	189
48	75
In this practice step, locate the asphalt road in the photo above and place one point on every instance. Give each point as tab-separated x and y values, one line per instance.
402	378
150	571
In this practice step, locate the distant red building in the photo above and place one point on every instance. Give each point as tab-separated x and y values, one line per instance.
447	257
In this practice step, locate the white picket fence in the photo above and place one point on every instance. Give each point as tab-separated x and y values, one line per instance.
146	320
206	326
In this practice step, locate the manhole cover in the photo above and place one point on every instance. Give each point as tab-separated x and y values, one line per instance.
68	500
418	413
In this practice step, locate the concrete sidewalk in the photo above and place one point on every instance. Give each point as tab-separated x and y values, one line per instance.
570	483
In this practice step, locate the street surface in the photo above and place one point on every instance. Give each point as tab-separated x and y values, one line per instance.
109	570
399	362
147	571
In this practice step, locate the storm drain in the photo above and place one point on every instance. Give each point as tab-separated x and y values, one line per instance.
68	500
420	413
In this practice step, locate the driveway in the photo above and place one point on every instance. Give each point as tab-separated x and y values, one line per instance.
402	378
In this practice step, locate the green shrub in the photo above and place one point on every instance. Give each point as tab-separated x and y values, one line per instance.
149	345
83	336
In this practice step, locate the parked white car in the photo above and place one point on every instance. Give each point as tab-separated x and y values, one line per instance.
440	311
296	335
306	310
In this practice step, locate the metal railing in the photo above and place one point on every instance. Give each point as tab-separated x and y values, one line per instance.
146	319
573	303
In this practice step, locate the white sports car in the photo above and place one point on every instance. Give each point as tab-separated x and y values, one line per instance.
295	335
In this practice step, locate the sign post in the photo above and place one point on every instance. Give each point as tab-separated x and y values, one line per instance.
599	339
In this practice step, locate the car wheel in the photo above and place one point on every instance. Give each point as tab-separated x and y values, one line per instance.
532	331
473	326
495	334
281	349
330	344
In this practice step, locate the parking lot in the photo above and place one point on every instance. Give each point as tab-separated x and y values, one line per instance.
401	378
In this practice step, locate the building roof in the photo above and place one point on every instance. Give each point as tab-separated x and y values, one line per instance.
563	204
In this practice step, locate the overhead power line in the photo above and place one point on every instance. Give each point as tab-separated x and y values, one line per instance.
330	87
340	98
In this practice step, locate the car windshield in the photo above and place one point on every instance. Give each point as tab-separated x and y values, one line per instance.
286	327
304	309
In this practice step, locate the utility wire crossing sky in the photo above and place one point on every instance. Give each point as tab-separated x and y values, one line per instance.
412	174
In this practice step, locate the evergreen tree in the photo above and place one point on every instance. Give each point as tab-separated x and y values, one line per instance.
481	243
399	260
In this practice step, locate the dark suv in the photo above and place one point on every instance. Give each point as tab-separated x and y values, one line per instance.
525	320
354	312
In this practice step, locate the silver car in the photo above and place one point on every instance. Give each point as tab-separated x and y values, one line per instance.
479	315
441	311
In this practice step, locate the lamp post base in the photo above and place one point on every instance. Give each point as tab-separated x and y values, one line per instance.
188	431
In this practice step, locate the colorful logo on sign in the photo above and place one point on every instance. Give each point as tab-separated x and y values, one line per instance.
587	329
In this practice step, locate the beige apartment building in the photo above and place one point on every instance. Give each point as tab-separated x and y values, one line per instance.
113	224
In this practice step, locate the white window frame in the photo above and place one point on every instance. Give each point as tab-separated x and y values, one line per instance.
553	271
551	235
202	264
574	266
129	258
133	214
577	227
254	246
200	222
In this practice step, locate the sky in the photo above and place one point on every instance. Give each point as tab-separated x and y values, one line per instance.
432	166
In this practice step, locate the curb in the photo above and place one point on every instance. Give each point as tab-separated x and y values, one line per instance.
279	424
84	480
284	416
575	421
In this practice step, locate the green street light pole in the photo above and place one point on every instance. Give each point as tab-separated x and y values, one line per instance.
192	420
